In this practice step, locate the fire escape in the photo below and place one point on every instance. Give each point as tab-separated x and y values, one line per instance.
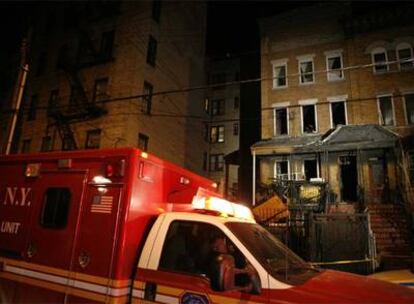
81	107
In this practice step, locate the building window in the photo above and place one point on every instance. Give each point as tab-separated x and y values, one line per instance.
93	139
306	69
31	114
385	111
216	162
280	121
216	134
280	74
338	113
405	56
55	211
147	98
205	160
236	102
235	129
107	44
143	142
411	166
379	60
41	64
152	50
53	102
310	168
46	144
409	108
281	170
334	66
217	107
26	145
309	119
100	90
156	10
218	80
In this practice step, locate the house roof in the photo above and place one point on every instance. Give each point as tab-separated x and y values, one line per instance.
342	138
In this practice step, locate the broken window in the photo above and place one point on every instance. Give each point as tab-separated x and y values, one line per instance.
338	113
308	119
310	168
281	170
409	108
379	60
279	76
306	71
335	67
385	111
405	56
281	121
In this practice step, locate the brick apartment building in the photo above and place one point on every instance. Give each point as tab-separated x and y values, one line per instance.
96	68
223	124
338	108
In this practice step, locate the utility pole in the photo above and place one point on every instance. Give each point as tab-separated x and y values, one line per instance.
18	93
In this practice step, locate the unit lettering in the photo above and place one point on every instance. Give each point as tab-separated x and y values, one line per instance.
10	227
15	196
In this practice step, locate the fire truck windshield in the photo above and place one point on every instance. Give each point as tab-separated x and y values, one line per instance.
282	263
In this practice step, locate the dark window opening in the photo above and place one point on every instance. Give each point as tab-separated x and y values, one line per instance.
310	168
338	113
156	10
281	121
216	162
309	119
93	139
31	115
280	76
217	134
100	90
282	170
380	61
306	72
107	43
217	107
386	113
152	51
53	102
55	210
147	98
143	142
409	108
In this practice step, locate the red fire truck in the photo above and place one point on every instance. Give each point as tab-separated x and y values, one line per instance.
122	226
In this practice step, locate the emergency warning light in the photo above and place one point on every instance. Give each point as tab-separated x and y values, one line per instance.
224	207
32	170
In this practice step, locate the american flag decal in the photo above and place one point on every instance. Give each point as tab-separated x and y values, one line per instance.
102	204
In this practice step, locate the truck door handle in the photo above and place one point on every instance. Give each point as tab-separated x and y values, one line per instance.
84	259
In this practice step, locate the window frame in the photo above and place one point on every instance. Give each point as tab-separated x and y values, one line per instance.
404	46
275	167
375	51
219	166
392	109
218	128
309	102
329	72
89	134
407	122
317	168
304	59
276	107
338	99
219	104
145	138
278	64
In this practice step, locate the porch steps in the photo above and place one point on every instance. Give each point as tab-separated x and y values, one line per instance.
391	229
